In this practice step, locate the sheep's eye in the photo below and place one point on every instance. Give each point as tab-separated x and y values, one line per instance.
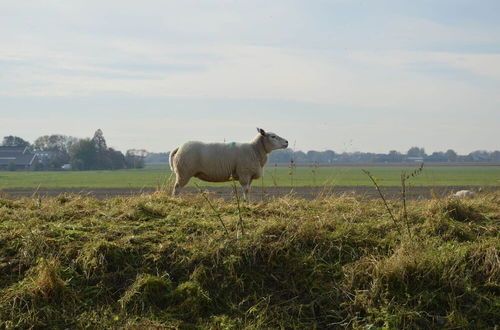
273	136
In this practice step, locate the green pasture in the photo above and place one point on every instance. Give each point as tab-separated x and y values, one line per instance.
157	176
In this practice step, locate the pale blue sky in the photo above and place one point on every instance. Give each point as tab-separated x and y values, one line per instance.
338	74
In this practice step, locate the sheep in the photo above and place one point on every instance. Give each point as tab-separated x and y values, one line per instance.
464	194
222	162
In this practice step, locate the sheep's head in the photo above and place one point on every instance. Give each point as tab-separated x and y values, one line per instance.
272	141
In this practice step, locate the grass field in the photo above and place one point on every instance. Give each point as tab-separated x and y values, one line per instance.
155	262
155	176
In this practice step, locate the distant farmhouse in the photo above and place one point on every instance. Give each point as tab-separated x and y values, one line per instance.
19	158
415	159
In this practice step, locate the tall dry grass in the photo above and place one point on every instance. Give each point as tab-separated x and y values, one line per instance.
152	261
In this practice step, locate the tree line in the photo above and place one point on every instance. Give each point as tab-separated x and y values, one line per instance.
330	156
393	156
55	151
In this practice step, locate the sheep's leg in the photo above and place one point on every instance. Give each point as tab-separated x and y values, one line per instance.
179	183
245	187
176	189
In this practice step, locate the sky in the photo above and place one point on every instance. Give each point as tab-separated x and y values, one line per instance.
344	75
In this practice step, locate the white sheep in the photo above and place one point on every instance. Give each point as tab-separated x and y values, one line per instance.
221	162
464	194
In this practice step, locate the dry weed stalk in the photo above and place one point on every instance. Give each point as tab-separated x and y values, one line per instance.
274	175
383	199
237	196
204	194
404	179
314	170
292	166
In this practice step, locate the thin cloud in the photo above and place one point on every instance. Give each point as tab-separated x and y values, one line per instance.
361	69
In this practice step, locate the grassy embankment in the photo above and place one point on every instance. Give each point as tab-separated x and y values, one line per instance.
154	176
334	262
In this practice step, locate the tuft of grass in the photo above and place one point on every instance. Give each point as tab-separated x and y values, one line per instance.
146	293
47	283
461	210
414	285
39	299
190	301
101	257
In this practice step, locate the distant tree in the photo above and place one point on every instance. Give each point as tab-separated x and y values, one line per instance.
413	152
451	155
437	156
94	154
99	141
465	158
480	156
157	158
117	159
11	166
495	156
394	156
54	149
298	157
416	152
280	156
38	167
84	155
103	159
329	156
313	156
143	153
344	157
55	142
135	158
14	141
356	157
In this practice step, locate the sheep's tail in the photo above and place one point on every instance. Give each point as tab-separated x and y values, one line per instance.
171	158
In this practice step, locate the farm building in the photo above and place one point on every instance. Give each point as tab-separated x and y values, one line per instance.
415	159
19	158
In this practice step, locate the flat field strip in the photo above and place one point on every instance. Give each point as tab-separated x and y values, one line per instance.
303	176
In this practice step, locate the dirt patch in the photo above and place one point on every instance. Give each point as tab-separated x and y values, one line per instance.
257	193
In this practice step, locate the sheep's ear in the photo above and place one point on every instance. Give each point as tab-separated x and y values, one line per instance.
261	131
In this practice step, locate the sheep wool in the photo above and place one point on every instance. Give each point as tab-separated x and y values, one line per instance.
464	194
221	162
